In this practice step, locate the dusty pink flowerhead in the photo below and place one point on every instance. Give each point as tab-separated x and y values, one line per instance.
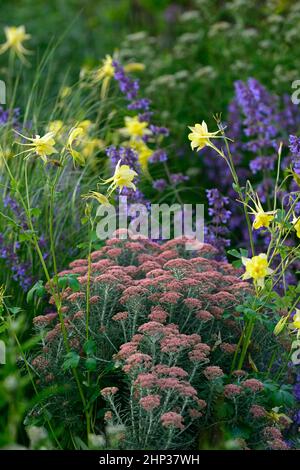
108	416
150	402
109	391
40	363
151	328
216	311
178	263
228	348
213	372
253	384
172	419
271	432
79	315
278	444
258	411
204	315
232	390
162	369
121	316
114	252
201	403
147	380
190	302
43	320
199	353
173	343
75	296
127	349
170	297
194	413
158	314
137	359
239	373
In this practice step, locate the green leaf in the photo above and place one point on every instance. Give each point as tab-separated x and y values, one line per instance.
38	289
234	253
89	347
74	284
35	212
14	310
71	360
69	281
235	187
80	445
91	364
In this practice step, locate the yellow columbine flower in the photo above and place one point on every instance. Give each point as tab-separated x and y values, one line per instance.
296	223
134	67
15	36
85	125
98	197
55	126
257	268
65	92
106	70
296	320
5	154
135	128
143	151
91	146
41	146
261	218
200	136
277	417
123	177
75	134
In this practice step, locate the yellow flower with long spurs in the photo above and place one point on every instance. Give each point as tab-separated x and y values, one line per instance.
76	134
143	151
57	127
261	218
41	146
277	417
296	223
98	197
92	146
257	268
106	70
296	320
15	36
134	128
134	67
123	178
104	73
200	136
86	125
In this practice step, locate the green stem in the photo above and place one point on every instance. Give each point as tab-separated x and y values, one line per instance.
246	341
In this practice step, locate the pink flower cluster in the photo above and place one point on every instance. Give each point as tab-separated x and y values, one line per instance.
109	391
172	419
158	315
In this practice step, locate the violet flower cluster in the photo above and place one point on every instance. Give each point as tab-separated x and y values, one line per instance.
217	232
257	122
9	248
130	88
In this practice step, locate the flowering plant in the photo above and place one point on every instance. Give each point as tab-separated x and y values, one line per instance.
165	325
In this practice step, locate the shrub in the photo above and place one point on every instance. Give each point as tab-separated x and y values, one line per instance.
152	331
